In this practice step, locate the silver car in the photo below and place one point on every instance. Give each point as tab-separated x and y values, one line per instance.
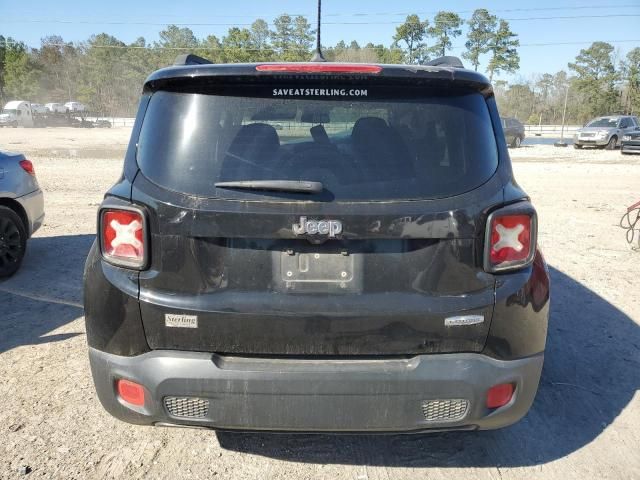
21	209
605	132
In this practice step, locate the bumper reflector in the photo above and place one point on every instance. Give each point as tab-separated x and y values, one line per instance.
447	410
130	392
499	395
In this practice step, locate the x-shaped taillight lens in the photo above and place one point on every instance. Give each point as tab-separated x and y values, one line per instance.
122	236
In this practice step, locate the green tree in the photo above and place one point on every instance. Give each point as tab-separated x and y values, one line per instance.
282	35
631	75
100	64
20	72
384	54
446	25
211	49
174	41
412	33
292	38
3	51
237	45
56	61
595	77
302	37
482	27
260	38
352	53
519	101
503	50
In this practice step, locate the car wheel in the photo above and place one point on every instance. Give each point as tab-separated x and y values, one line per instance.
576	146
612	144
13	242
517	141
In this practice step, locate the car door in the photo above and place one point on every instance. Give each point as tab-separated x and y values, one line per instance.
507	124
627	125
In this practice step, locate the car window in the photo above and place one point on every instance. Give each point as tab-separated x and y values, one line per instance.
603	122
624	123
360	149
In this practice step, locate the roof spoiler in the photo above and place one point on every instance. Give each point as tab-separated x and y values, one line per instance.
191	59
446	61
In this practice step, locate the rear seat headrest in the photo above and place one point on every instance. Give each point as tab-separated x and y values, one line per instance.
367	125
260	135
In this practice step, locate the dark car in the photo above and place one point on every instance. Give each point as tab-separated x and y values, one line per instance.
370	267
513	131
630	142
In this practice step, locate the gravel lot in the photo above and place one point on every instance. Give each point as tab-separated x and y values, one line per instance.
585	422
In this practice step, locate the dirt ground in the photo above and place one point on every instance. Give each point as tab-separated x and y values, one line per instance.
585	422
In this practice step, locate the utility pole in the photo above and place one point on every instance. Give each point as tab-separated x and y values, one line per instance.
562	143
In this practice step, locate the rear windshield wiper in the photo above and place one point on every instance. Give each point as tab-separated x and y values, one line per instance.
298	186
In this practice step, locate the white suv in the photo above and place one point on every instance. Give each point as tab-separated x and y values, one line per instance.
75	107
55	107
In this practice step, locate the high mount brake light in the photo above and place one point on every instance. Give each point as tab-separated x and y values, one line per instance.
318	68
122	237
27	166
510	239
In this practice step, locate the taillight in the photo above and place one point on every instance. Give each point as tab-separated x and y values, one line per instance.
130	392
319	68
123	237
510	238
27	166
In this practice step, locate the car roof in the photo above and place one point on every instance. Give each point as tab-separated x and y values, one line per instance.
612	117
7	154
446	73
14	103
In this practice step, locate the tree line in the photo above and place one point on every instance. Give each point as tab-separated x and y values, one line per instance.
107	73
598	82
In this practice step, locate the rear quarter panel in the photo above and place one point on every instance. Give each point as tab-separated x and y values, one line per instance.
14	182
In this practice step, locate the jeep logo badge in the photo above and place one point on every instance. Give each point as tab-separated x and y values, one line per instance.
318	227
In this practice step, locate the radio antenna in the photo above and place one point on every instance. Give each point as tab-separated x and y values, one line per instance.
317	56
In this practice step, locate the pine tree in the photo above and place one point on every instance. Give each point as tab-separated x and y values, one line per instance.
482	26
503	50
412	32
446	25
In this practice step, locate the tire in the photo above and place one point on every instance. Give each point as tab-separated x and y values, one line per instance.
517	141
576	146
13	242
612	143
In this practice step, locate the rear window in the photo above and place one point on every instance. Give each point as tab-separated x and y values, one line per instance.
360	148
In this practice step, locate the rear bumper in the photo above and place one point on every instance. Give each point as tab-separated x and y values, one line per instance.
630	147
33	204
382	395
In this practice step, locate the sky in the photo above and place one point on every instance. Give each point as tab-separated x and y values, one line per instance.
616	21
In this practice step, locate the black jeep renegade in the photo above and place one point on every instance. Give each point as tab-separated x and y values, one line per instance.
317	247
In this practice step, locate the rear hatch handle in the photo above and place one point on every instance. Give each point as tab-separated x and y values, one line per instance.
298	186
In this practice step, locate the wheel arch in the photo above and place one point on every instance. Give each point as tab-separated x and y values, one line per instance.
19	209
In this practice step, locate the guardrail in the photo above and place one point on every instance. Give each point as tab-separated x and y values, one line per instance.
530	130
115	121
550	130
